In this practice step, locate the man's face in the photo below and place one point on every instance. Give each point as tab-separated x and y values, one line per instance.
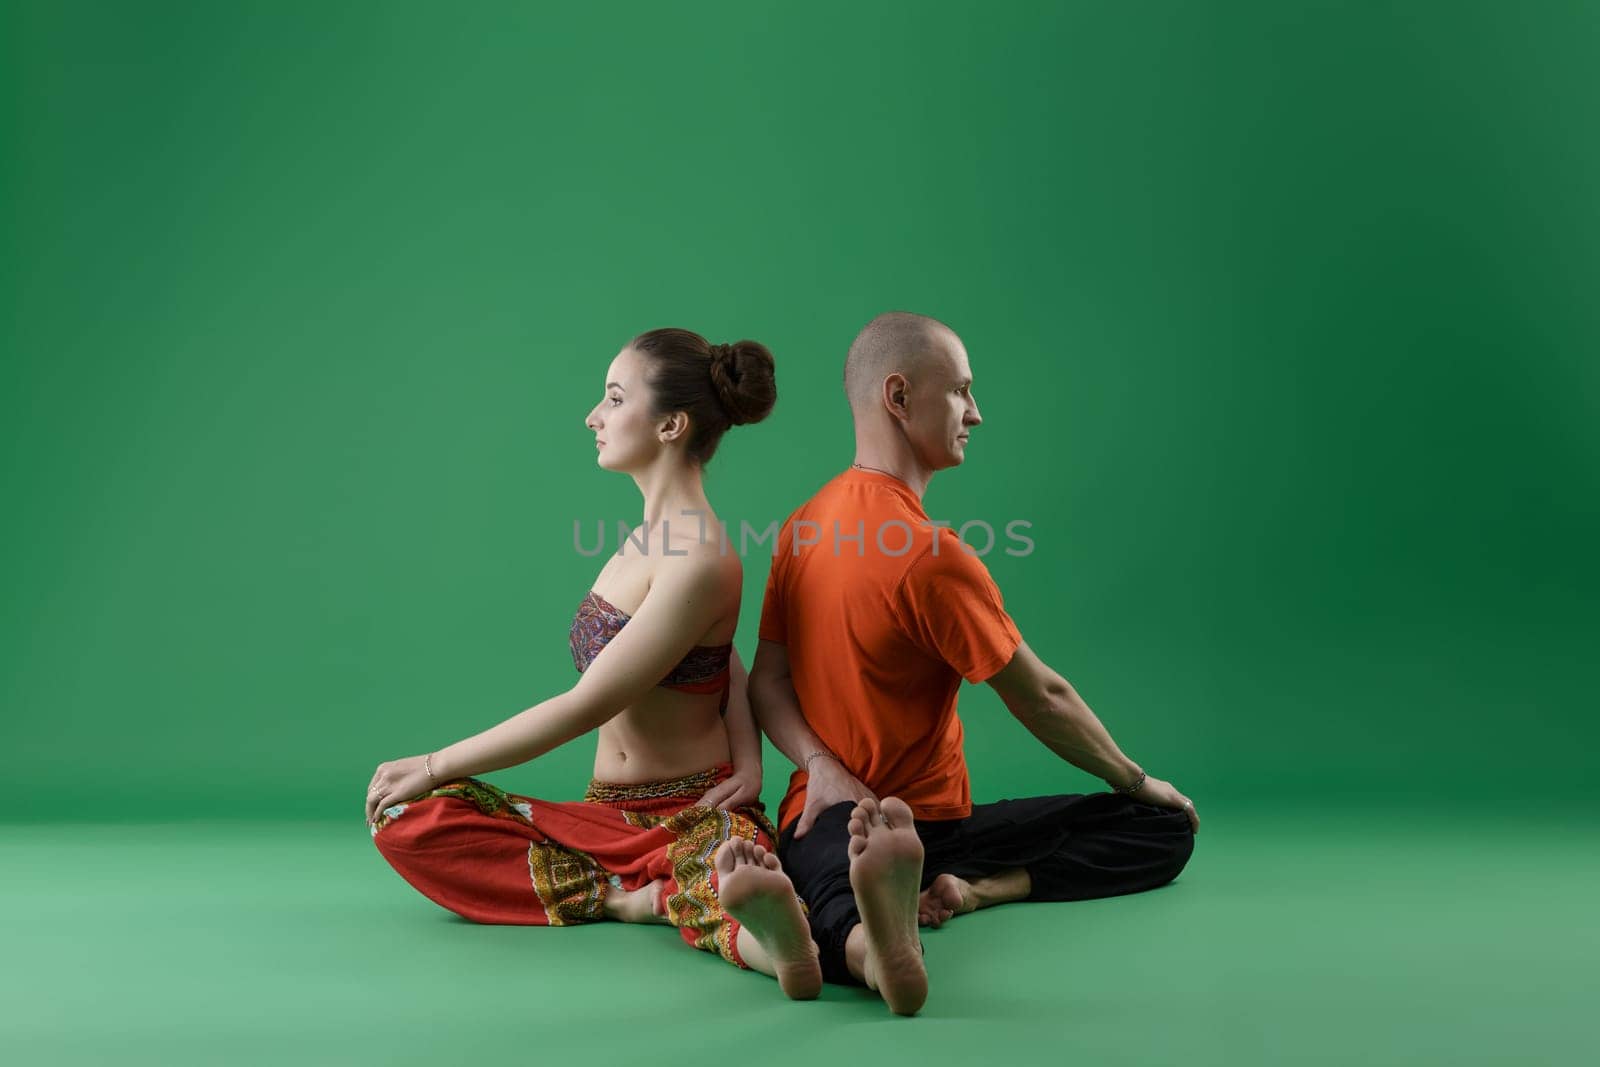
942	409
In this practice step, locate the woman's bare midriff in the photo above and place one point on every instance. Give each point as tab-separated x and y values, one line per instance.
668	734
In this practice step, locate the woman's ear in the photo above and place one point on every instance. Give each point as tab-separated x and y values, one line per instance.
673	427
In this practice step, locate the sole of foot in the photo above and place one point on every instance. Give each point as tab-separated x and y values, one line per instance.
753	889
885	873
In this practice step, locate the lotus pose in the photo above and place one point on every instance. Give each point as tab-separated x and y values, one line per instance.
671	829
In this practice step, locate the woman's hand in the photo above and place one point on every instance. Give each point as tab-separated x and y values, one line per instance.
741	788
397	780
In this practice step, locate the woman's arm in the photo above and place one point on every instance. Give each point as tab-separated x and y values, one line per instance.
744	786
743	737
685	599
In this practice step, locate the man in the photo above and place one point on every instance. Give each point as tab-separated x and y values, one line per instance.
872	618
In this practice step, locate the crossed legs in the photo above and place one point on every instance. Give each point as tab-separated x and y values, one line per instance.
1070	847
871	874
882	950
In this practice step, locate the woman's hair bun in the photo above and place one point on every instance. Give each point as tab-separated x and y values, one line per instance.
742	375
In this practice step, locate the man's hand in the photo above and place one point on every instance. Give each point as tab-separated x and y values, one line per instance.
828	784
740	788
1165	795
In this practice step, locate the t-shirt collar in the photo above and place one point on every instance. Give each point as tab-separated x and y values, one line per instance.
890	482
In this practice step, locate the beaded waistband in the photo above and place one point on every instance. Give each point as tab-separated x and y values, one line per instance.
690	785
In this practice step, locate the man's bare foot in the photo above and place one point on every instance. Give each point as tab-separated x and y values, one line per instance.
647	904
753	889
885	871
947	897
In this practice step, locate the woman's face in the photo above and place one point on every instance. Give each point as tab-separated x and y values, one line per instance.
624	430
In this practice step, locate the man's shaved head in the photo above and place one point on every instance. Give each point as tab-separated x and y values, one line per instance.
896	341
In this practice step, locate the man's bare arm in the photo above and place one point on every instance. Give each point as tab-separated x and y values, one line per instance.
1052	711
777	705
777	710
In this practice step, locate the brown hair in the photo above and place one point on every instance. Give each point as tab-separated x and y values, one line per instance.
717	386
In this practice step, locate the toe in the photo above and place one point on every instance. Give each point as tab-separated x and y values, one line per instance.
896	812
772	862
727	858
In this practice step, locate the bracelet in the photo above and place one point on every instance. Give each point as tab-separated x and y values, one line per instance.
427	765
815	755
1129	790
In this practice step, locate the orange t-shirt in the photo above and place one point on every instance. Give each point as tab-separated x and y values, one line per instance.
880	633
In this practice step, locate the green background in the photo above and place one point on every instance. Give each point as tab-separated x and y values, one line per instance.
1282	322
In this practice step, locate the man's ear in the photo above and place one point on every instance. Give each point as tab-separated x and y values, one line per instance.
673	427
895	390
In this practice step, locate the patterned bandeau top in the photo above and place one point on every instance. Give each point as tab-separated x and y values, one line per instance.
703	670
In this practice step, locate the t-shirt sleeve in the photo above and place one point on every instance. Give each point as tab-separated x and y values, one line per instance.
949	606
774	623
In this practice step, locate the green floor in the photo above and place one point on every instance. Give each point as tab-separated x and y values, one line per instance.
1438	938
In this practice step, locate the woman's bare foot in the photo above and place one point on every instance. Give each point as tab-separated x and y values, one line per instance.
885	871
647	904
947	897
753	889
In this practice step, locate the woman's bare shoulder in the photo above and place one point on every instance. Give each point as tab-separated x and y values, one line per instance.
707	565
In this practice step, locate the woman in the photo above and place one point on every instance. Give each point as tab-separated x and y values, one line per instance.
671	829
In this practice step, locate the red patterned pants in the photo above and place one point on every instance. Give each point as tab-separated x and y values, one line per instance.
497	857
